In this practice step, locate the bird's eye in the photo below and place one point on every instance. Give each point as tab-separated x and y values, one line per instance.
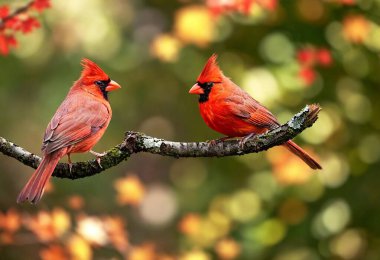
209	84
101	83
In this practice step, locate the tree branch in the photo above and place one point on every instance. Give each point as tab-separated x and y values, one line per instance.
135	142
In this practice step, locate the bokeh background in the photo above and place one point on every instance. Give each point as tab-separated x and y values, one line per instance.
260	206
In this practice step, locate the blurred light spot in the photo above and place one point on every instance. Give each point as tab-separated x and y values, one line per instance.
297	254
195	255
373	40
356	63
277	48
188	174
92	229
288	78
264	185
346	86
194	24
53	252
10	220
336	216
288	169
322	129
158	206
145	251
76	202
190	224
158	126
335	171
270	232
48	226
227	249
335	37
311	10
148	23
311	190
333	218
129	190
116	231
79	248
223	29
221	221
166	47
209	232
92	30
355	28
262	85
357	108
369	148
292	211
351	244
244	205
30	44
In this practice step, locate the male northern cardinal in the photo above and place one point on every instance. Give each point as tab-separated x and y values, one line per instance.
229	110
76	127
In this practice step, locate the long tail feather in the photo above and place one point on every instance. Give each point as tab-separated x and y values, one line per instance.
294	148
34	189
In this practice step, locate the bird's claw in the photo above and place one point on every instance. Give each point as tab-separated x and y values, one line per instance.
244	139
98	157
69	162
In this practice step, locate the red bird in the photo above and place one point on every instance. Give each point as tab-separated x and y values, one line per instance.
229	110
76	127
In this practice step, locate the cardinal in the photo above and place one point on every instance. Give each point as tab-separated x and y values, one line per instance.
229	110
76	126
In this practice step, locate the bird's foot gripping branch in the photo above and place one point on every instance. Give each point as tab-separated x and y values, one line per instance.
135	142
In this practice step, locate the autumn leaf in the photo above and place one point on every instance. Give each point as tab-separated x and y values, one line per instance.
41	5
130	190
307	75
227	249
53	252
356	28
4	11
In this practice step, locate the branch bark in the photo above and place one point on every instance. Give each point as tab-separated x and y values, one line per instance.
135	142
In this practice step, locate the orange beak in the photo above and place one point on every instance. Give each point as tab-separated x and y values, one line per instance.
112	86
196	89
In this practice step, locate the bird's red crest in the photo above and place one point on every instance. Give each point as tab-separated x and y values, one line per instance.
211	71
91	72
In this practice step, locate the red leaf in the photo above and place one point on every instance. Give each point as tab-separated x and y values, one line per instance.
29	25
11	41
324	57
307	75
306	56
4	50
41	5
4	11
13	23
218	7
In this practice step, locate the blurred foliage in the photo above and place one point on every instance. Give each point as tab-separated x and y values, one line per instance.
262	206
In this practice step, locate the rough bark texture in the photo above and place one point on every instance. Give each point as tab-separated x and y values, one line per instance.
135	142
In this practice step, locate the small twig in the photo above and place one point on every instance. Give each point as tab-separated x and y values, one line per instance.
16	12
135	142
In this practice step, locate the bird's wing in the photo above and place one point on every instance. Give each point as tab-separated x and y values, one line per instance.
76	119
243	106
